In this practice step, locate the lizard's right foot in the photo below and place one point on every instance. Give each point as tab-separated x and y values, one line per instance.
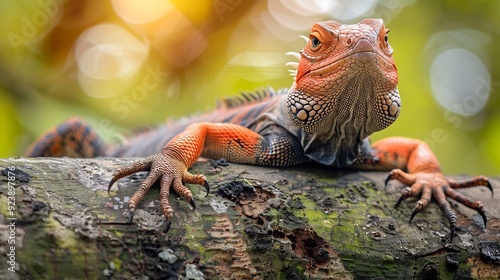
435	185
172	173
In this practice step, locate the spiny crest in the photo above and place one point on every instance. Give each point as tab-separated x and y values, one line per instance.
249	97
293	64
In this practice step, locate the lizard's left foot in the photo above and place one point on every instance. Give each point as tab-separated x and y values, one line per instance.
434	184
171	172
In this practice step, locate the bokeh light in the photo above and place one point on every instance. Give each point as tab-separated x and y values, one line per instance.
348	10
140	12
460	81
459	77
107	56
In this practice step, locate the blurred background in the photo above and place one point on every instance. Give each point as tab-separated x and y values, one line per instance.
123	64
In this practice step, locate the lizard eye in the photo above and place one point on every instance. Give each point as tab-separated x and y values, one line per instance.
386	37
384	45
315	42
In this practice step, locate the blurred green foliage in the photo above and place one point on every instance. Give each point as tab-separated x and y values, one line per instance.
217	50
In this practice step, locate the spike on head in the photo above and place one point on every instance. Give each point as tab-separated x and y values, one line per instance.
305	38
375	23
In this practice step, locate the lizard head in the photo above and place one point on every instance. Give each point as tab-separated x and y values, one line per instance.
346	80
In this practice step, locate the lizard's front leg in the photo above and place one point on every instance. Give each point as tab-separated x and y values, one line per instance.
212	140
423	176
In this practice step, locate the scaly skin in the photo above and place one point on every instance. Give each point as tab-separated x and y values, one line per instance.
345	88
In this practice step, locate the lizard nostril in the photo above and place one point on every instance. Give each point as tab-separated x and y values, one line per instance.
348	41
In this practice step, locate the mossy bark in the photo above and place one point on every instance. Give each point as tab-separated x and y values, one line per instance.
307	222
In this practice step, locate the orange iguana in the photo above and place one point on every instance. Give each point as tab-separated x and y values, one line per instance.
345	88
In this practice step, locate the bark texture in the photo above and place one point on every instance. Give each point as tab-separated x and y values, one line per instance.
307	222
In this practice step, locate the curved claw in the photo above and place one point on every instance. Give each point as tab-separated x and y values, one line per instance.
488	185
113	180
401	198
207	187
413	214
130	216
482	212
192	203
452	218
452	232
167	226
407	193
389	178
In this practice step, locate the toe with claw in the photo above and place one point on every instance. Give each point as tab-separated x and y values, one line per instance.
172	174
430	185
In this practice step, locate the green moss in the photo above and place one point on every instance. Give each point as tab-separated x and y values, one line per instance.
118	233
285	265
193	233
103	193
56	250
118	263
3	206
322	222
64	237
106	216
387	258
195	245
336	216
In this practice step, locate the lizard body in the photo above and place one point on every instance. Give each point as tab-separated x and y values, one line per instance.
345	89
